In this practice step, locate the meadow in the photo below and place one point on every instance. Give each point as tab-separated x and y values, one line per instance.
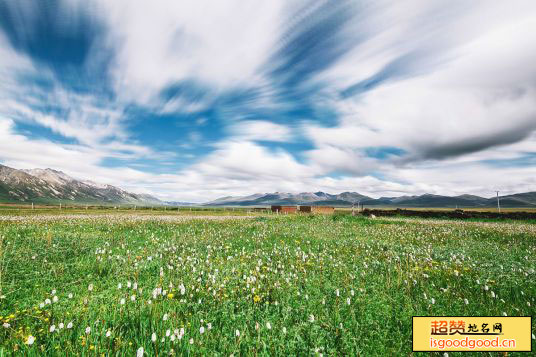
278	285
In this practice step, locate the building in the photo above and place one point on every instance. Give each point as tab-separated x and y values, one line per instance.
305	209
317	209
284	209
323	209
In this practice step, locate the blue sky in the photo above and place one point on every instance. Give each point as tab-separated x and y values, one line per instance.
195	100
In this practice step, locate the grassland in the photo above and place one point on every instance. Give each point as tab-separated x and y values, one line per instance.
447	209
279	285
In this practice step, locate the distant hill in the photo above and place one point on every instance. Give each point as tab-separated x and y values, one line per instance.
278	198
429	200
517	200
52	186
527	199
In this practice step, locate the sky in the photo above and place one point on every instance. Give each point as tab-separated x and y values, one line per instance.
195	100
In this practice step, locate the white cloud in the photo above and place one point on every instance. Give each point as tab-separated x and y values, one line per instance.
95	123
330	158
261	130
478	89
244	160
157	44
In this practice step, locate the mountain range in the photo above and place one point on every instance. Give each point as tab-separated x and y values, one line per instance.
527	199
52	186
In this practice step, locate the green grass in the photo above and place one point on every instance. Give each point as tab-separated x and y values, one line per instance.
245	274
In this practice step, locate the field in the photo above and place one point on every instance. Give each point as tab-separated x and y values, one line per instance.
447	209
122	284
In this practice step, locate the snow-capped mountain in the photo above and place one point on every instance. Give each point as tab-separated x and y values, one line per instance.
48	185
304	198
